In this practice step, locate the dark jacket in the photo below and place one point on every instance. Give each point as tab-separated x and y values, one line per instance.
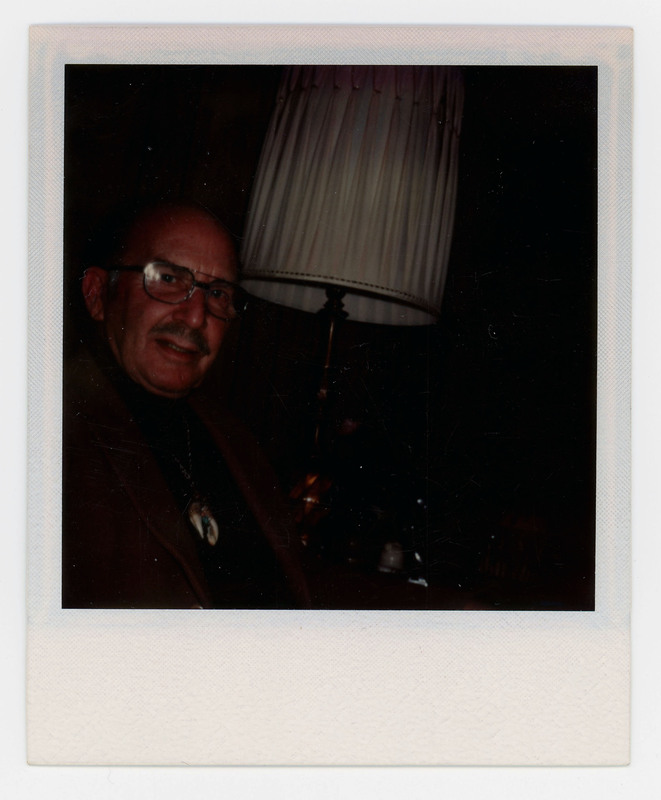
125	541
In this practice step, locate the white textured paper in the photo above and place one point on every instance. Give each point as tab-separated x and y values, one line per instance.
288	687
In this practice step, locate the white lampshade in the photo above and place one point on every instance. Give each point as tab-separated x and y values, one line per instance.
356	187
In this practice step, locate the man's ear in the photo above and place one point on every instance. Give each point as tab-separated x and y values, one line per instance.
95	289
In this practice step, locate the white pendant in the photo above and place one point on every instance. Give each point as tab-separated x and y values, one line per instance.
203	521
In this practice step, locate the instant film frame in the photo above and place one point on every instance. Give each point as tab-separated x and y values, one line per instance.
329	687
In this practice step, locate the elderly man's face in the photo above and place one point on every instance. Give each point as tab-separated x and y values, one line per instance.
167	349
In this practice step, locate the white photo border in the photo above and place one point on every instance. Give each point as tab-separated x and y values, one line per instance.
340	687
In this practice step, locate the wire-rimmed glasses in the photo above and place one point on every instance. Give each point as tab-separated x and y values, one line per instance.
172	284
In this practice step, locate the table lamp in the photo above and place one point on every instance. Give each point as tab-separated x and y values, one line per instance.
353	201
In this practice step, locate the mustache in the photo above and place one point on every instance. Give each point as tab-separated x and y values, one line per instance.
190	335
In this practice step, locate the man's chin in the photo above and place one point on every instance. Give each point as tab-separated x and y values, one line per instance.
173	388
170	395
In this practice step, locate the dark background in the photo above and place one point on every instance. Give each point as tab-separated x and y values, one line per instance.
474	439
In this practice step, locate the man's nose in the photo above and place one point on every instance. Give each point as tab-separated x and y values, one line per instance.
192	311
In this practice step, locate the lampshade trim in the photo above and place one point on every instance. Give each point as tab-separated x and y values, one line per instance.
356	285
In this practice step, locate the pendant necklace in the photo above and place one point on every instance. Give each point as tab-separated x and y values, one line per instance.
199	511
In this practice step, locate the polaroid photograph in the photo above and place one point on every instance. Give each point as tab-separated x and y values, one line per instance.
329	357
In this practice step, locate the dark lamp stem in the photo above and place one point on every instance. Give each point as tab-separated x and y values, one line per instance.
334	312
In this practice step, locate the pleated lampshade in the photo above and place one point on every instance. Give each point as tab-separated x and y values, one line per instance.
356	187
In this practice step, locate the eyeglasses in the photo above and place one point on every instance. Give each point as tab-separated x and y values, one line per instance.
169	283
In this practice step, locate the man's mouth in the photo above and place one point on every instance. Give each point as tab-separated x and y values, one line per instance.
185	341
176	347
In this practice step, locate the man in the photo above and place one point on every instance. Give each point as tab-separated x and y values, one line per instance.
167	500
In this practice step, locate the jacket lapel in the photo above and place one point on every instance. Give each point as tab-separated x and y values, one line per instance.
140	477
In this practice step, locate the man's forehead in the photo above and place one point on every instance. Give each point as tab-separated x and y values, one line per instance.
182	234
178	223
